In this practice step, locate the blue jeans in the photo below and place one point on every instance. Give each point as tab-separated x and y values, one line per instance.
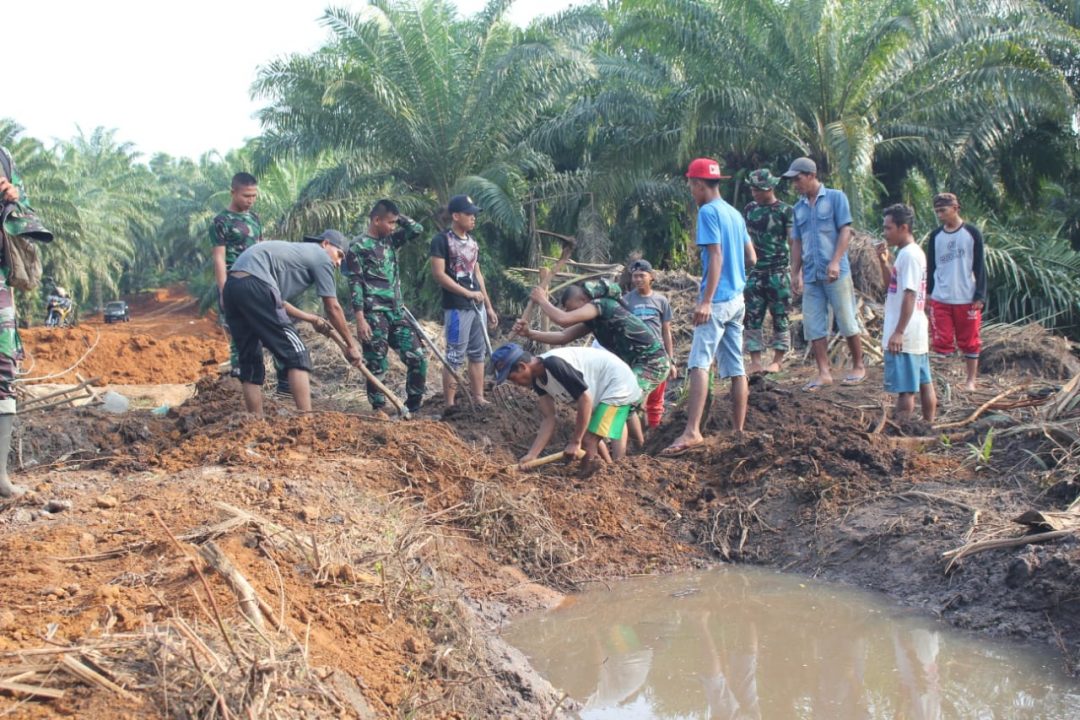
720	338
818	297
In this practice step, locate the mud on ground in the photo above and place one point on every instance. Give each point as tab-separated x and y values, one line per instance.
382	555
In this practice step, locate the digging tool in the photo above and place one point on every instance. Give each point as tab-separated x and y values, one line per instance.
462	381
329	331
546	460
546	274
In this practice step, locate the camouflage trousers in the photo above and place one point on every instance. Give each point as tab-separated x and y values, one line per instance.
389	329
10	347
767	292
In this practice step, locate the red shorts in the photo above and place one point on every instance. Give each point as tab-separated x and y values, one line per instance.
654	405
953	326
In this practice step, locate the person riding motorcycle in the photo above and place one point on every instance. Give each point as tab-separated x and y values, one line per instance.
58	308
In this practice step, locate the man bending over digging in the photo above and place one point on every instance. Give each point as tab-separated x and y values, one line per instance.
601	385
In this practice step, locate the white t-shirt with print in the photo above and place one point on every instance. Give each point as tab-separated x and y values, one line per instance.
908	273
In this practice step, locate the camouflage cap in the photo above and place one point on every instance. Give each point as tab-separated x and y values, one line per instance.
762	179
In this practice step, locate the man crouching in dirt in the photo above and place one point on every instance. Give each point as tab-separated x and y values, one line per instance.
602	386
260	284
905	336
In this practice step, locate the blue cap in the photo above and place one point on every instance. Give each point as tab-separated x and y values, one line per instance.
504	359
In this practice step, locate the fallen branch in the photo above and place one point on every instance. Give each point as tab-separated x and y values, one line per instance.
981	409
84	673
973	548
245	593
31	690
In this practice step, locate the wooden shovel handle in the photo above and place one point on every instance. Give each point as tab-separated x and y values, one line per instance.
546	460
546	274
340	341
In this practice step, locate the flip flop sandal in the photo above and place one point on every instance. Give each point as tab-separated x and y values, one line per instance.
812	386
680	449
853	380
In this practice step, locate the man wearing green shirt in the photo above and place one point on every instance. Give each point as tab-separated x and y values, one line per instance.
233	231
375	289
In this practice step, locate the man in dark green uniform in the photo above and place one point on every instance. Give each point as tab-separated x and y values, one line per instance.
768	284
375	288
233	231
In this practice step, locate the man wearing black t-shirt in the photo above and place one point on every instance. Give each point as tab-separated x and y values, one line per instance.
466	305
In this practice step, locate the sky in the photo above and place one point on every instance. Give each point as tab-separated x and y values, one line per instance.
171	77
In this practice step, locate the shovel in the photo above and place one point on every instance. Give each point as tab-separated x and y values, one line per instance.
542	461
462	381
330	332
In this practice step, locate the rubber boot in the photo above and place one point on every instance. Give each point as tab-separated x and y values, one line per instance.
7	489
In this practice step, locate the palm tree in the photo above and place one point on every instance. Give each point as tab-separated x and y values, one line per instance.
412	100
938	85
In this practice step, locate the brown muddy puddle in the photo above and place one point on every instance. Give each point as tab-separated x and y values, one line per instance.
747	643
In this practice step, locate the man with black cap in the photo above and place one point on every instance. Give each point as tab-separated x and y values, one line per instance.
768	284
466	304
261	282
820	270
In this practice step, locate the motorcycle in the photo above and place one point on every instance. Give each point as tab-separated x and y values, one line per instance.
60	312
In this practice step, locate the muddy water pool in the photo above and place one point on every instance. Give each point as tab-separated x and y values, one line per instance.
745	643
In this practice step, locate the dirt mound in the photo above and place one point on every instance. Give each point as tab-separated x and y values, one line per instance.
1029	350
165	342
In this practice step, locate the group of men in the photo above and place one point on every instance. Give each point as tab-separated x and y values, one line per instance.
257	280
746	260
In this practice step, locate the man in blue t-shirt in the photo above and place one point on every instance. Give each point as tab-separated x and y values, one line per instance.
726	251
820	237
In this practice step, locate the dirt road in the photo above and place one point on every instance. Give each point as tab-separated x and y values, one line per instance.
165	342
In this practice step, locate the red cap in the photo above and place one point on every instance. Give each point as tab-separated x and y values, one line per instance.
706	169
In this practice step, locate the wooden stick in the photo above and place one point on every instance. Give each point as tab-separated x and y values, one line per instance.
547	273
459	376
392	397
546	460
32	690
249	602
84	673
982	408
978	547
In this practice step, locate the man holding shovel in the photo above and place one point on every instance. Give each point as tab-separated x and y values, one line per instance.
375	290
256	294
600	385
465	301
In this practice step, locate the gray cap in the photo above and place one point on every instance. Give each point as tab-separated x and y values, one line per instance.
801	165
332	236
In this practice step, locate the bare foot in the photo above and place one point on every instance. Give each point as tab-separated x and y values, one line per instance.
970	387
774	367
755	369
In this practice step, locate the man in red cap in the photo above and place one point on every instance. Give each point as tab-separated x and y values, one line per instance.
726	251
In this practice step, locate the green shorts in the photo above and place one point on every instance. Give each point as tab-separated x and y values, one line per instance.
608	421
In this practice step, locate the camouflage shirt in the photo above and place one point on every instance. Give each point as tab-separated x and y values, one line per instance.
372	268
22	219
770	227
236	232
625	334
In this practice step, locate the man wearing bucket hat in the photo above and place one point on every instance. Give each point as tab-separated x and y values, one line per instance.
466	305
768	284
262	281
726	251
599	384
820	270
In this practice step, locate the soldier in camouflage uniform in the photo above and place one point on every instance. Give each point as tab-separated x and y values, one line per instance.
18	219
232	232
615	327
768	284
375	287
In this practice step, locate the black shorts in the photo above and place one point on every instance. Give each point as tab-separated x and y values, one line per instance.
257	318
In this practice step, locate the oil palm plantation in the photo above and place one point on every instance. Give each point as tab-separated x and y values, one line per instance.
411	99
